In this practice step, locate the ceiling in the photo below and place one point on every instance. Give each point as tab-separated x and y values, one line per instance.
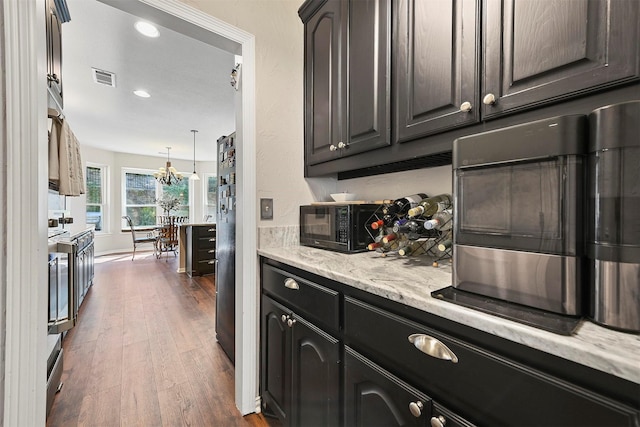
188	79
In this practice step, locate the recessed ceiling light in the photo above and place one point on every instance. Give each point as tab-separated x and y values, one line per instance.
142	93
147	29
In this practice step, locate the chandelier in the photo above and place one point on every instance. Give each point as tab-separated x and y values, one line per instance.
168	175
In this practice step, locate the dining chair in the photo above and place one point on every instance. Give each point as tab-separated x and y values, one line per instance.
149	238
168	237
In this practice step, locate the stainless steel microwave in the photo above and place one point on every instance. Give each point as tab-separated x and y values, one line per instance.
337	227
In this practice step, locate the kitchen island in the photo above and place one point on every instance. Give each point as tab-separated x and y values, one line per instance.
369	305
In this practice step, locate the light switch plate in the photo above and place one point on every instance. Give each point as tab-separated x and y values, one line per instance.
266	208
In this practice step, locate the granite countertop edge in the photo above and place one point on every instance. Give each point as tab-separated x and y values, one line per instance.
614	352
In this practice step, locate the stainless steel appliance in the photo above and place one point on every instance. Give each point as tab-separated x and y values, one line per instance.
54	367
614	215
226	246
338	227
62	301
518	224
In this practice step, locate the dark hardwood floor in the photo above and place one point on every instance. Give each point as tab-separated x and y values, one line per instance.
144	352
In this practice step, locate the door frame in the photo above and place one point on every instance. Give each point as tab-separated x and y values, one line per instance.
26	209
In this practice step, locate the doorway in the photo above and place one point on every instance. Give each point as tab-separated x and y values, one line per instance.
26	197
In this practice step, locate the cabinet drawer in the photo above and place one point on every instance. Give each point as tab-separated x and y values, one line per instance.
484	387
306	298
205	266
204	254
205	242
204	231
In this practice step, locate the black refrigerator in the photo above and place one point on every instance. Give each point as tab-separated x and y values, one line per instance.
226	246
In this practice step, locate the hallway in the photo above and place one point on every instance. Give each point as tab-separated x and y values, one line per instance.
144	352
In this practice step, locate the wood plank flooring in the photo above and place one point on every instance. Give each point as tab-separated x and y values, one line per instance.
144	353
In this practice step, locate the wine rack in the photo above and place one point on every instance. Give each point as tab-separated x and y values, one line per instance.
435	243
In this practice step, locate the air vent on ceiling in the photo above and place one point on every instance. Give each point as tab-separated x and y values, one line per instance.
104	77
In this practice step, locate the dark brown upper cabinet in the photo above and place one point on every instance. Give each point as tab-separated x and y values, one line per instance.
458	67
435	66
540	51
54	50
347	77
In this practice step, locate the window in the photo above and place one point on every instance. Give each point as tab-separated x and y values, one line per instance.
141	192
181	191
210	197
95	179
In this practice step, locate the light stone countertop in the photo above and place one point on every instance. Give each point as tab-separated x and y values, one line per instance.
411	280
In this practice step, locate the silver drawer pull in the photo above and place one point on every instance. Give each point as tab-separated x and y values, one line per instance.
211	230
416	408
211	251
291	284
212	239
432	347
213	261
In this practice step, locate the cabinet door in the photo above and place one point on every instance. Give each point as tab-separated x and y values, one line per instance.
369	65
54	50
435	66
480	385
276	359
374	397
315	376
325	82
540	51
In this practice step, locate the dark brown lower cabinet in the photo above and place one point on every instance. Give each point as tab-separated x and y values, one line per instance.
300	369
373	397
373	364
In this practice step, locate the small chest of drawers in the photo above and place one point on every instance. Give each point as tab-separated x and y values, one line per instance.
201	249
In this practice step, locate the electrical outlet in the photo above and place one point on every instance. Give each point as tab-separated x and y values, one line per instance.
266	208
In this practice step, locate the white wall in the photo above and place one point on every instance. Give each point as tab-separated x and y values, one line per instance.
113	239
3	218
431	181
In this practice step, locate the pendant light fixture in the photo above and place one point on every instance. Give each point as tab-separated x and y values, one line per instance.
168	175
195	176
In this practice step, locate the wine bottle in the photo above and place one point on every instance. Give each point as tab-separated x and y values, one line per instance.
389	237
440	221
373	246
385	221
443	246
429	206
399	225
401	206
415	248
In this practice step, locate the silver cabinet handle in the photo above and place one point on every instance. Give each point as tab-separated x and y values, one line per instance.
416	408
211	251
211	230
465	107
291	322
291	284
211	262
489	99
284	318
332	147
431	346
213	239
342	145
438	421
